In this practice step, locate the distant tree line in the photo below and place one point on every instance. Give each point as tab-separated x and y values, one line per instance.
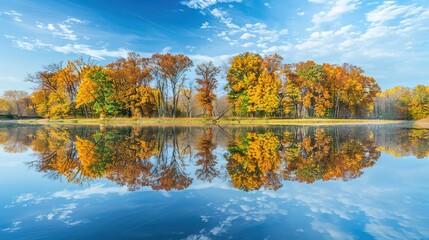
256	86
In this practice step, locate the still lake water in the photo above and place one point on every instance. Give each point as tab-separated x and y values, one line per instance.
284	182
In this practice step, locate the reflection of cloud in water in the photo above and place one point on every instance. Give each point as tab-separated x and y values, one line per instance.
197	237
332	230
99	189
13	228
62	214
89	192
379	206
254	208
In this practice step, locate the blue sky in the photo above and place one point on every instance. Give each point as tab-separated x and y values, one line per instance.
389	39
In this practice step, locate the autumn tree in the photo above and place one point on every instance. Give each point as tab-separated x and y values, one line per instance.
56	88
17	102
131	78
388	104
273	64
5	108
415	102
96	90
253	83
256	86
207	81
359	93
243	71
307	89
263	95
187	100
173	68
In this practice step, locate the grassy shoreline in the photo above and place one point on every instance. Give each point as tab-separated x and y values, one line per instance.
199	121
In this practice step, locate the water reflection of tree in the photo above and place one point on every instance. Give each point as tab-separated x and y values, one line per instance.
15	138
401	142
254	161
157	157
314	154
134	157
206	159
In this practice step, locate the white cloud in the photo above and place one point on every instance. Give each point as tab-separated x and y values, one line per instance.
276	49
166	50
190	48
62	214
337	8
332	230
65	32
9	36
79	49
326	41
203	4
248	44
247	36
197	237
389	10
15	226
218	13
16	16
389	25
236	35
62	30
205	25
76	20
317	1
221	15
217	60
99	189
88	50
25	45
89	192
267	5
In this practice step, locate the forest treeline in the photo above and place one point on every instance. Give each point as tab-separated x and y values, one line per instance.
250	158
256	86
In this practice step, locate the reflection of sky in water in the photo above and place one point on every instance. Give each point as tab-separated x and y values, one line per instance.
389	201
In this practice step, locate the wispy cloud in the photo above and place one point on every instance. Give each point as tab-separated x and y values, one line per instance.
16	16
63	214
390	10
79	49
324	41
15	226
249	35
336	9
203	4
89	192
96	190
166	50
217	60
205	25
63	29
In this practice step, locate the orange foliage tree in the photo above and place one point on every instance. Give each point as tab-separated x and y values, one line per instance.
207	84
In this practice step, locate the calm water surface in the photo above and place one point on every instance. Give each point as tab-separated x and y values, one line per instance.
285	182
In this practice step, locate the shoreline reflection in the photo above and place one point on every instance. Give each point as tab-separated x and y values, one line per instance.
173	158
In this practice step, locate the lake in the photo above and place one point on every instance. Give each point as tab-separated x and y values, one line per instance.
214	182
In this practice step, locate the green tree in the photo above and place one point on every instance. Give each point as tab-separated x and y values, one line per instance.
96	90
